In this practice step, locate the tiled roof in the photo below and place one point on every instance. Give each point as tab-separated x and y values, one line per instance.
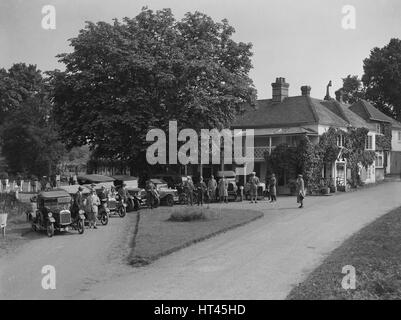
345	113
293	111
367	111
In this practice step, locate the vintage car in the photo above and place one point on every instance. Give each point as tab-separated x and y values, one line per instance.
103	212
53	213
168	196
96	180
233	190
133	190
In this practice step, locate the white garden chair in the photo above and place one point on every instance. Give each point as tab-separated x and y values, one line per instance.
3	223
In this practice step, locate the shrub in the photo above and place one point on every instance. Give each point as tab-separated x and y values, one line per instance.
190	214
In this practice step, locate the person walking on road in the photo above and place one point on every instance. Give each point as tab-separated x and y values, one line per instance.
300	191
253	184
273	188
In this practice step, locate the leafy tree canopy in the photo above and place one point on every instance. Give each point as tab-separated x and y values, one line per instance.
28	141
126	77
382	78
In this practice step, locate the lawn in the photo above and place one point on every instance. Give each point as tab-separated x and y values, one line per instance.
156	235
374	252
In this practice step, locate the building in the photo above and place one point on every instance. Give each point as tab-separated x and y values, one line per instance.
285	120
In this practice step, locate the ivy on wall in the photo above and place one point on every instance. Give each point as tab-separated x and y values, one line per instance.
383	142
309	158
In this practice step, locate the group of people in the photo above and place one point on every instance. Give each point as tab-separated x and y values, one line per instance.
202	192
90	204
213	188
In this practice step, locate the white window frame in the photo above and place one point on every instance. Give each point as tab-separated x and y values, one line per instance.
367	145
379	155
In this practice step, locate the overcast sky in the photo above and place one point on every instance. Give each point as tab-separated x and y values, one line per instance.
300	40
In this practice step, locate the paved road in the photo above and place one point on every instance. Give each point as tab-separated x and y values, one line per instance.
262	260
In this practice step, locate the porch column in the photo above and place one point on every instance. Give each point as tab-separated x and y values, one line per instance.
270	145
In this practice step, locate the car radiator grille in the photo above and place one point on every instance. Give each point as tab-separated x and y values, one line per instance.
65	217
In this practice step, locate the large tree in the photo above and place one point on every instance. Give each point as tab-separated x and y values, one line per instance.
352	90
382	78
126	77
28	140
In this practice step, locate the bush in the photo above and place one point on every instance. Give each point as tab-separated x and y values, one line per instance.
190	214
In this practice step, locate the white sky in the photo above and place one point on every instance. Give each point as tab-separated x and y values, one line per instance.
301	40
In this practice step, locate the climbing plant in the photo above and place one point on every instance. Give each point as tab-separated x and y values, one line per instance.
308	158
383	142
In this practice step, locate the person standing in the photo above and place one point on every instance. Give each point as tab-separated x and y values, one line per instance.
93	204
201	189
223	189
78	202
300	191
253	184
273	188
211	188
189	190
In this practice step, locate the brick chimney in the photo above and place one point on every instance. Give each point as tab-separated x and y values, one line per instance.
306	91
280	90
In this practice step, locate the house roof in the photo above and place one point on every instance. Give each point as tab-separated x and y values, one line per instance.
367	111
291	112
345	113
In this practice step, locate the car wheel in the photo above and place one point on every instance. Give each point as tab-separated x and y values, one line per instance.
81	226
170	201
104	220
122	211
50	229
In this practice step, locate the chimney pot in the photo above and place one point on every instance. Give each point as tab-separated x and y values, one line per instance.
306	90
280	90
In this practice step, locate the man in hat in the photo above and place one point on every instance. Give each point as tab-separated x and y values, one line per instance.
78	202
273	188
253	184
189	190
300	191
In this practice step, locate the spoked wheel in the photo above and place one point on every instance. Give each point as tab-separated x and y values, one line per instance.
122	211
104	219
81	226
50	229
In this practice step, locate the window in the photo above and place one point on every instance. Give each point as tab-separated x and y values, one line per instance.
369	143
379	159
399	136
340	140
379	129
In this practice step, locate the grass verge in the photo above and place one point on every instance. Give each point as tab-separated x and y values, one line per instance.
157	236
374	252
